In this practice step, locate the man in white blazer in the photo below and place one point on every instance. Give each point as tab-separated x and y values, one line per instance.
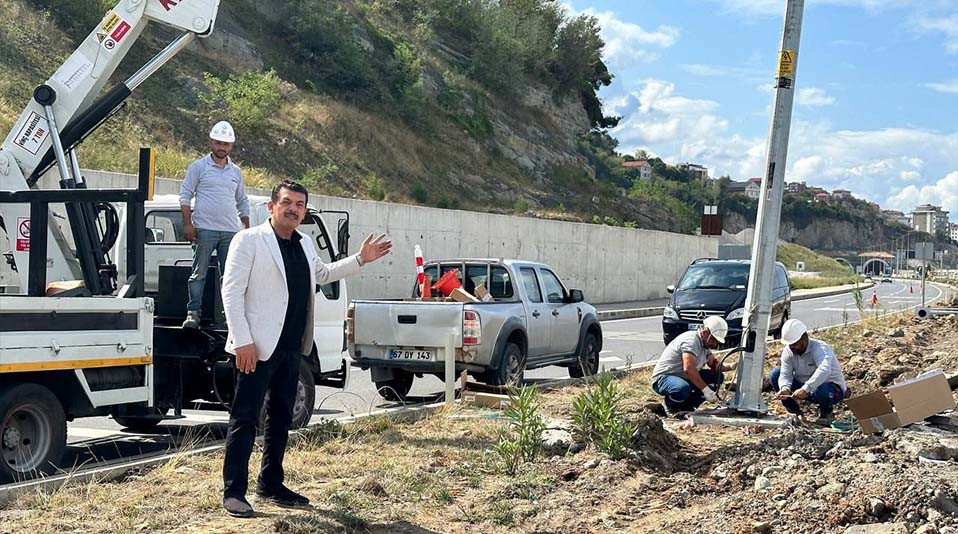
269	296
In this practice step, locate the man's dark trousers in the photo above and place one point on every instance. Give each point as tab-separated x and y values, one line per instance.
280	376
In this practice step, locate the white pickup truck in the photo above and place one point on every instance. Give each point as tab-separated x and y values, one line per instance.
533	321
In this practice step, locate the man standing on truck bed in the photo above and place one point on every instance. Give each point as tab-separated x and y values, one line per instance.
269	296
217	185
680	376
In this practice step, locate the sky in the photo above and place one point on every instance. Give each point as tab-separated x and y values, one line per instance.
876	108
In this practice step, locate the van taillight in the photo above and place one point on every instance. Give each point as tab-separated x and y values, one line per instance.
351	323
471	328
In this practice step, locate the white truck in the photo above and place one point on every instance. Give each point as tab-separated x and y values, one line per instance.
532	321
92	324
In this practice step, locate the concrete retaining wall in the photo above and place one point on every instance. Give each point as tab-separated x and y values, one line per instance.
609	264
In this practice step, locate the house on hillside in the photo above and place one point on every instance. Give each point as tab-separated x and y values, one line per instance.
897	216
751	188
930	219
795	188
698	172
841	193
644	168
822	197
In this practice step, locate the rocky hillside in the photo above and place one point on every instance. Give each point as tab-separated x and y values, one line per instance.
449	103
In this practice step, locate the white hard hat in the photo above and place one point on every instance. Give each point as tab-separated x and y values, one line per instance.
223	131
792	331
717	327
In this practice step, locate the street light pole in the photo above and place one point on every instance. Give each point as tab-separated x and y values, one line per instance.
758	303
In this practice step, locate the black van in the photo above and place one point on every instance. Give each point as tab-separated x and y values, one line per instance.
718	287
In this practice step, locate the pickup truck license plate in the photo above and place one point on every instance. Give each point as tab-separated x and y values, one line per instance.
400	354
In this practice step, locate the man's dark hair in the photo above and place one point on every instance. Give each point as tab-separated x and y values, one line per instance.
290	185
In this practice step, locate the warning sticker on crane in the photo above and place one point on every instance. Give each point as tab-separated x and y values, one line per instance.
120	31
786	63
73	71
23	234
33	133
110	22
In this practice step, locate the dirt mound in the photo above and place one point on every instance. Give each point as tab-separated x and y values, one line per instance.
804	478
656	449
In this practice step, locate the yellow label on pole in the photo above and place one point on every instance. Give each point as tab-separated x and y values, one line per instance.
786	63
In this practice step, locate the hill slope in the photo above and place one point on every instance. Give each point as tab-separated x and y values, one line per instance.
449	103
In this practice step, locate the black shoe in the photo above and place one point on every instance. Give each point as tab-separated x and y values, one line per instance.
792	406
676	412
826	412
237	507
283	497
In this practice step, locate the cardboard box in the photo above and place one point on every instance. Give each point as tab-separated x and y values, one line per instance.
460	295
483	293
910	401
489	400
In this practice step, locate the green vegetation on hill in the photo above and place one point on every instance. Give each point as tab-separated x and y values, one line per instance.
790	255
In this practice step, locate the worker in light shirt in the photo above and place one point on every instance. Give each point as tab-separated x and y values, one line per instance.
809	372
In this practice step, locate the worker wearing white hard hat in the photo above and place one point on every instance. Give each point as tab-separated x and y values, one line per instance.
686	372
809	371
214	205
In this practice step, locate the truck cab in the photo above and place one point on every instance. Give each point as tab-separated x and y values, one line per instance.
167	250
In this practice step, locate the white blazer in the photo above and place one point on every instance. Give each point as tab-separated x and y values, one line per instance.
255	294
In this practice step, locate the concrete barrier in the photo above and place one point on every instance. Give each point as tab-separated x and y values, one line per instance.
609	264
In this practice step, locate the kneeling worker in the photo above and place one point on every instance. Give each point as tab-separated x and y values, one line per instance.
809	372
679	375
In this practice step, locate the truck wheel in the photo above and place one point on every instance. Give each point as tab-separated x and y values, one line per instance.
141	423
511	368
305	400
33	432
397	388
588	360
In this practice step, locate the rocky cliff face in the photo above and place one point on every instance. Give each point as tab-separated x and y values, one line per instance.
832	235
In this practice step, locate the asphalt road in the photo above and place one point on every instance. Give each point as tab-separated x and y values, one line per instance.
626	341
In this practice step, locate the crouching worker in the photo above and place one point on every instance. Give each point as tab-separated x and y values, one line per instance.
809	372
680	374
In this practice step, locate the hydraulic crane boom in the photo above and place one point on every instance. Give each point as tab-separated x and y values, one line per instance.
64	111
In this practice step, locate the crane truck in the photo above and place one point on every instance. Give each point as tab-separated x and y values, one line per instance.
92	327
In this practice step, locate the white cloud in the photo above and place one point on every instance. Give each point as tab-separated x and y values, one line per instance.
942	193
627	43
947	25
813	97
950	86
683	129
888	165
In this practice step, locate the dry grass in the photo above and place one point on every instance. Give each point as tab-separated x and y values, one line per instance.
435	475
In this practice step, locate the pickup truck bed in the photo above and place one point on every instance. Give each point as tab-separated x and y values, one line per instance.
526	327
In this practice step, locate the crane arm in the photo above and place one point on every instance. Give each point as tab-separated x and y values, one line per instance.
66	109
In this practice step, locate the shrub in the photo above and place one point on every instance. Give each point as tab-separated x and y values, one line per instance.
374	187
79	16
247	100
420	194
524	441
597	419
521	205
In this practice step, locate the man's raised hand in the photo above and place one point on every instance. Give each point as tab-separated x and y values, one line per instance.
374	248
